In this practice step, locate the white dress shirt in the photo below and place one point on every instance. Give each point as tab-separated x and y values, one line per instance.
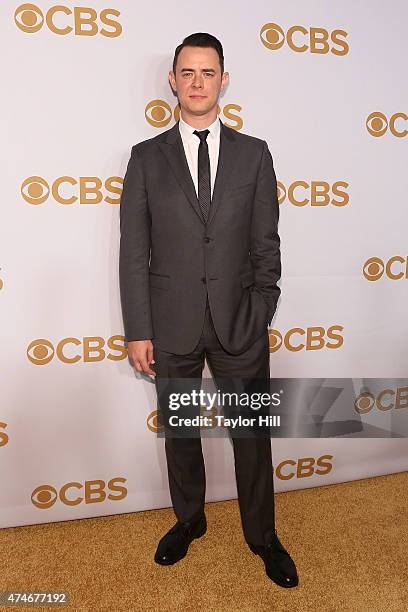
191	142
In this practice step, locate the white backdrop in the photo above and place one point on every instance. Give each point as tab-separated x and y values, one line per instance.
77	426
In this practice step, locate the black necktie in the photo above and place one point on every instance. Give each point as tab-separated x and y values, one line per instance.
204	182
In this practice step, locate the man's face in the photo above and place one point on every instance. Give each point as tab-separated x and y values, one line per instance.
198	80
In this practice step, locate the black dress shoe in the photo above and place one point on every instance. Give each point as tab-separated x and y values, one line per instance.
279	565
174	545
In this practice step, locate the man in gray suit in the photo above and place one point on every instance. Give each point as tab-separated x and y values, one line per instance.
199	265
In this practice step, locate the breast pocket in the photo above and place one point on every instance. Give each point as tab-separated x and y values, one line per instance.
237	190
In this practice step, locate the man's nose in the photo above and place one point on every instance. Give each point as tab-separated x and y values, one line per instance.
197	82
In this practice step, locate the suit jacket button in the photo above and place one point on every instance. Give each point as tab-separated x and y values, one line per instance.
206	239
204	280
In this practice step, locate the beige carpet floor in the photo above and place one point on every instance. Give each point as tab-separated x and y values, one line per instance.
349	542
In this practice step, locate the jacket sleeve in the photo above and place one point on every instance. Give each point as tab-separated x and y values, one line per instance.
134	252
265	241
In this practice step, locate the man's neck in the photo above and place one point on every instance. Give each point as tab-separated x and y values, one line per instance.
200	122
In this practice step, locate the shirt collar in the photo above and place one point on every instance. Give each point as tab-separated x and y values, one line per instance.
187	131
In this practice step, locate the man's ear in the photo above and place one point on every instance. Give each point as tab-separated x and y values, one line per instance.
224	80
172	81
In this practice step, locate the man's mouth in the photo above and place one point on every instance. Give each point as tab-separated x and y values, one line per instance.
198	97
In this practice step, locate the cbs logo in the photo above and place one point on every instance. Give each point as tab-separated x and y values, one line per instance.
301	39
91	492
304	467
154	422
395	268
310	339
159	113
3	436
385	400
62	20
92	348
315	193
67	190
377	124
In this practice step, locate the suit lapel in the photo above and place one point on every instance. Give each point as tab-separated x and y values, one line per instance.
227	158
173	149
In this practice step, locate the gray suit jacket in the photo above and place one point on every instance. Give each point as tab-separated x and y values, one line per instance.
170	258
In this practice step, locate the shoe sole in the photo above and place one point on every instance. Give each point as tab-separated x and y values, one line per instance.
198	535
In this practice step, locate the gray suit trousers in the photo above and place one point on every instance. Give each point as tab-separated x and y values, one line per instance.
252	455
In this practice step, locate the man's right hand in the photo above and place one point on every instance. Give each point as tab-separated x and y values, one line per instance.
141	356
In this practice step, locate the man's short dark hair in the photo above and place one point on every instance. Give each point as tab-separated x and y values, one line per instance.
200	39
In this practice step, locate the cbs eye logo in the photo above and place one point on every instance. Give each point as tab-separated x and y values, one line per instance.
91	492
301	39
4	439
81	20
71	350
154	422
385	400
377	124
159	113
396	268
310	339
315	193
67	190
